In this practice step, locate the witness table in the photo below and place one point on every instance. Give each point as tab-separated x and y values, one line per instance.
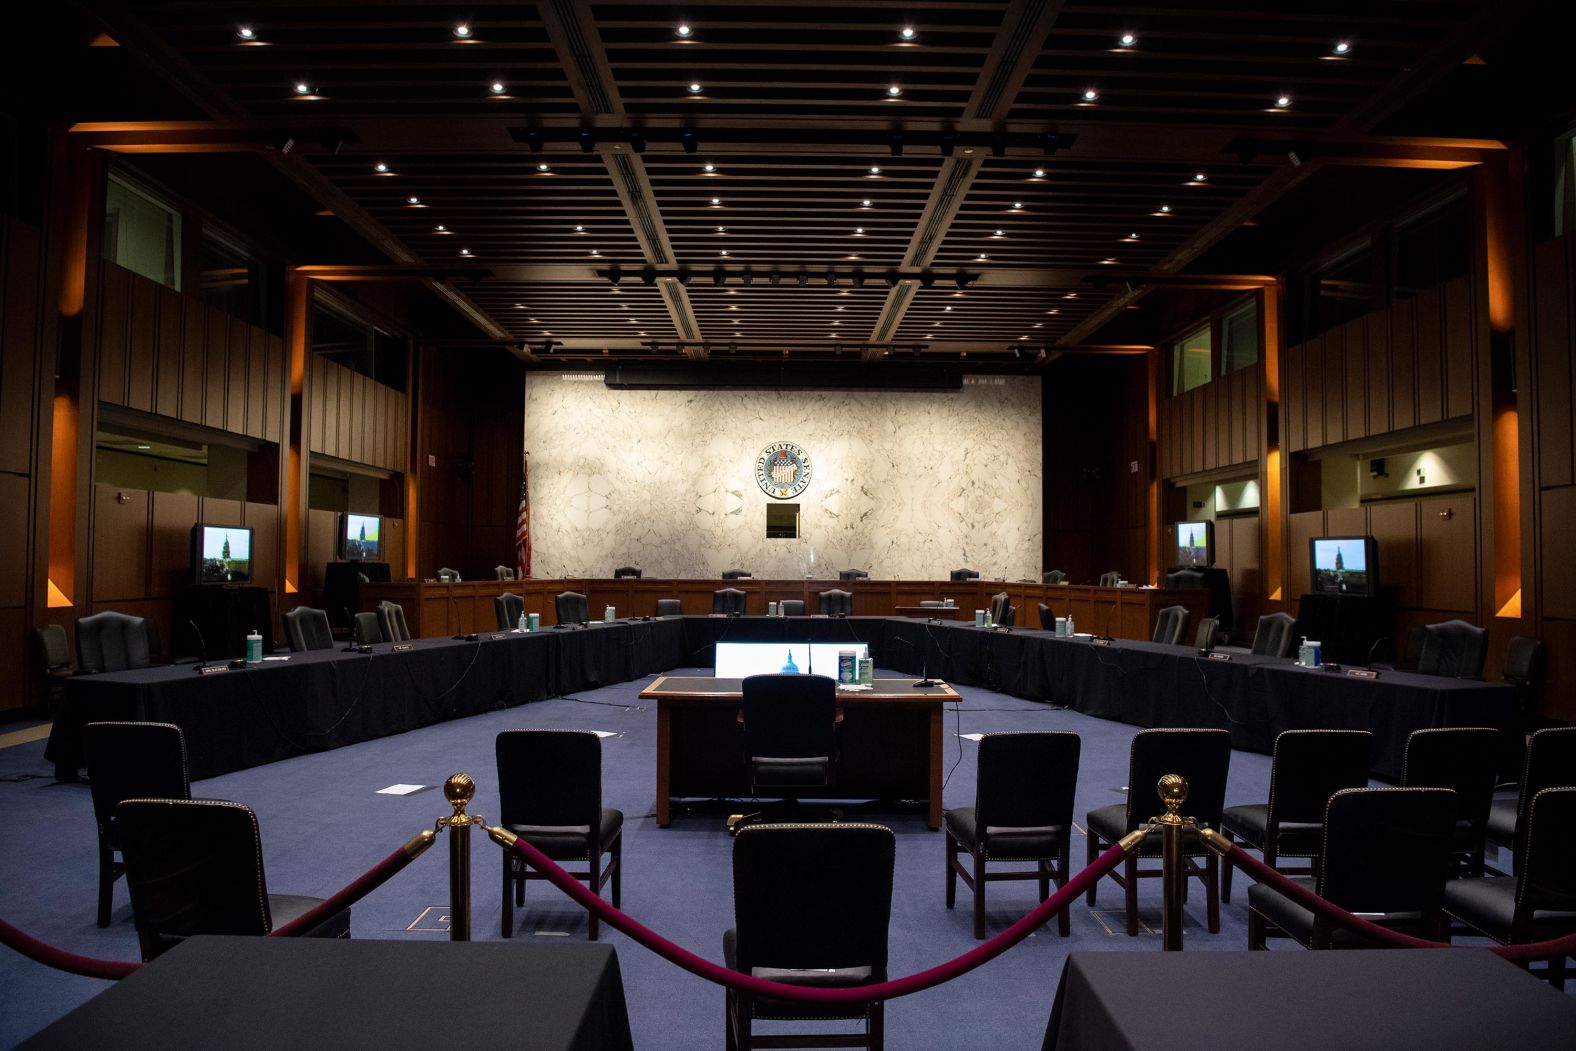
271	993
889	741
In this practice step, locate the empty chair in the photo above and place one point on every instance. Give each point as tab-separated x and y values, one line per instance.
790	733
196	867
1054	576
367	629
448	576
1180	579
853	574
626	571
1384	855
550	795
1523	663
1047	617
503	572
1110	580
1273	636
1549	762
307	629
391	621
735	574
669	607
1201	756
1454	649
1306	769
111	641
964	574
509	608
570	607
998	606
791	607
129	760
836	603
812	904
1009	616
727	600
1023	811
1171	625
1462	759
1540	902
52	660
1208	631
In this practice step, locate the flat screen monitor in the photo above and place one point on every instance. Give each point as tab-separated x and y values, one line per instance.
359	537
1345	565
1196	544
221	554
738	660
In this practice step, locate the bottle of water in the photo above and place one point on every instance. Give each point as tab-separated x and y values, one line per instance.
521	627
790	668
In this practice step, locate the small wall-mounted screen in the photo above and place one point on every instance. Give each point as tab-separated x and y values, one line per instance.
223	553
359	542
1193	544
1344	565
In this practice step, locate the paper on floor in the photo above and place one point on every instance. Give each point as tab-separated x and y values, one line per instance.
971	737
400	790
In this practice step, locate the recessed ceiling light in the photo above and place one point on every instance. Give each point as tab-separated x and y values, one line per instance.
463	31
640	333
1343	47
1022	337
859	231
837	322
580	229
708	167
722	229
683	31
1070	295
1001	233
303	88
381	168
1054	310
695	88
875	171
1090	95
716	202
246	33
1127	40
1039	173
723	252
145	447
413	201
907	33
544	167
1283	101
496	87
465	251
733	306
865	203
1200	177
1165	209
946	308
440	229
1017	206
1108	260
982	257
838	308
894	91
595	252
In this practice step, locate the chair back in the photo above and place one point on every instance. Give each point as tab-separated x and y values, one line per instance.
837	602
508	607
391	621
307	629
1208	628
134	760
550	778
792	607
1202	756
1047	618
1386	849
570	607
669	607
1171	625
1273	637
193	867
1009	616
1460	758
51	651
503	572
735	574
111	641
1454	649
853	574
368	631
1026	780
626	571
1111	579
448	576
998	606
1524	662
965	574
727	600
1550	762
790	716
1310	766
1054	576
813	896
1185	578
1546	877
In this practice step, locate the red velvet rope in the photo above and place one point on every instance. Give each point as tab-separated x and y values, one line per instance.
1278	881
368	882
713	972
60	960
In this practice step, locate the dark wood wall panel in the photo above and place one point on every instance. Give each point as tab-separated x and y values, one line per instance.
167	366
120	544
194	363
1313	386
1356	422
1429	347
356	418
1551	354
169	565
1403	367
1460	333
1558	529
21	314
1376	332
114	306
1300	528
14	489
1447	535
1209	427
1394	526
1334	387
24	330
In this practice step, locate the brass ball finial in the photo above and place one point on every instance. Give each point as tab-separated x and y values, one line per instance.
458	790
1172	790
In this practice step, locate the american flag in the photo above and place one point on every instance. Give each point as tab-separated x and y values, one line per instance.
522	524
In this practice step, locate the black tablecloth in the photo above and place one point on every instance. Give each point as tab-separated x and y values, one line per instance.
225	615
1420	998
273	993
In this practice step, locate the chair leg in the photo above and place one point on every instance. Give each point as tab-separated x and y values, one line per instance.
618	872
106	887
1225	877
1093	855
979	897
729	1041
509	894
1211	887
1130	875
1255	931
1064	918
876	1027
952	873
743	1016
1043	866
597	889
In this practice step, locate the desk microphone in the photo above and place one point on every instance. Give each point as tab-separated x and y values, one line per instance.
354	645
924	679
202	646
1106	635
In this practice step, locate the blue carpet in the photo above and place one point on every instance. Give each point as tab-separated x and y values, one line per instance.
323	824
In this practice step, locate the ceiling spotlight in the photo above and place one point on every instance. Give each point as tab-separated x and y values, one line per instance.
303	88
723	252
875	171
1001	233
580	229
533	139
1090	95
496	87
465	251
381	168
648	275
615	273
544	167
1343	47
1017	206
962	279
982	257
716	202
858	278
907	33
859	231
894	91
587	142
1128	40
440	229
891	278
1039	173
1165	209
708	168
595	252
462	31
895	143
927	279
637	141
865	203
946	308
949	143
684	275
683	31
246	33
831	279
1200	177
1282	101
747	277
719	275
414	202
695	88
722	229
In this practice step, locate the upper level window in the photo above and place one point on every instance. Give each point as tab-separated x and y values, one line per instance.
1339	291
1190	360
1239	338
1432	248
233	280
358	345
141	233
1565	183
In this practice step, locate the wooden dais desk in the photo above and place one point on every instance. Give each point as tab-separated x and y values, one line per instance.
889	741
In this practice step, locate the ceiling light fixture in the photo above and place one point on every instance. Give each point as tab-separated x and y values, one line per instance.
1343	47
462	31
246	33
1091	95
414	202
716	202
695	88
544	167
1127	40
875	171
303	88
465	251
1165	209
440	229
709	168
684	32
894	91
1283	102
1039	173
496	87
580	229
381	168
865	203
1200	177
907	33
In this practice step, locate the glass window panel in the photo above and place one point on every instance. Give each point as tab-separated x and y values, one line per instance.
1239	334
1190	361
1433	248
141	234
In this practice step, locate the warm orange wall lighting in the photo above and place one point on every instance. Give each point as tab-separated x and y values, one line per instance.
1495	189
412	521
63	501
298	301
1272	507
1507	514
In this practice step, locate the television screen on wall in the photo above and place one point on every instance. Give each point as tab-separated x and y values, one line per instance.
1195	544
358	537
1344	565
221	554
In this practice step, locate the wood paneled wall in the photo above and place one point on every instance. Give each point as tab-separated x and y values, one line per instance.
357	418
1404	366
318	551
1213	426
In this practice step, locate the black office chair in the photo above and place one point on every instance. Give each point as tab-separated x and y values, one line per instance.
812	904
111	641
1208	633
391	622
792	607
669	607
836	603
195	866
999	604
550	792
129	760
1190	579
1171	625
503	572
1023	811
735	574
1383	854
1454	649
1054	576
1523	663
448	576
366	629
964	574
1549	762
1201	756
1540	902
52	660
853	574
1273	637
1306	769
508	608
570	607
727	600
1462	759
1047	617
790	734
307	629
626	571
1110	580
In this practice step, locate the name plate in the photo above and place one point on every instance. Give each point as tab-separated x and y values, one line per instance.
1361	673
499	635
401	647
1101	642
1214	656
212	669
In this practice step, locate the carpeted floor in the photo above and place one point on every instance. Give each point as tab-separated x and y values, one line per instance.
323	824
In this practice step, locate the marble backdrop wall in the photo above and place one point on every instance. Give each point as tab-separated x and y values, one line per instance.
904	485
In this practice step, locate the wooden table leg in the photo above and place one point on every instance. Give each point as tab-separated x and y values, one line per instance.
935	765
664	761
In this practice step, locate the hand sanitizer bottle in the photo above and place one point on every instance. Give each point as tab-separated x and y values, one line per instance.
521	627
790	668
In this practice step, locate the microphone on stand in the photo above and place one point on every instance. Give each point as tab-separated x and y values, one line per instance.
353	646
202	646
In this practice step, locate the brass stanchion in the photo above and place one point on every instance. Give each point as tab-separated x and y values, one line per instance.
1172	790
459	790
